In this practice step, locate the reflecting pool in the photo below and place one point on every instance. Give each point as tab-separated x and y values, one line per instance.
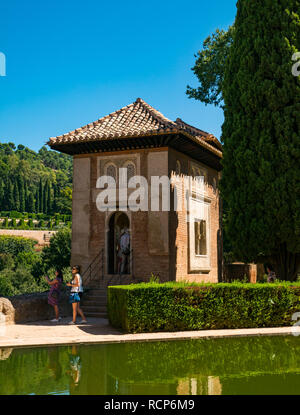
228	366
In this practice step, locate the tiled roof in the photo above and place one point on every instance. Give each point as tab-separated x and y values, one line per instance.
134	120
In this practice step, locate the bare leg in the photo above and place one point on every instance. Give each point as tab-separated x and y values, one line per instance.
80	312
56	312
74	306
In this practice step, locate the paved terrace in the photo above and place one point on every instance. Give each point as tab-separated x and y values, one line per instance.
45	333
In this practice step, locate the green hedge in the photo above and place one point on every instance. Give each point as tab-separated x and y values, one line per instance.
171	306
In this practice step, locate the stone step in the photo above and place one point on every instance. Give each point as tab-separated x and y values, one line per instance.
96	315
95	293
92	294
96	300
93	309
91	303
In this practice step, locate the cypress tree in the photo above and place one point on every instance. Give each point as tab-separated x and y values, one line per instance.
261	160
16	198
2	194
41	197
54	202
45	197
10	195
26	197
21	194
49	200
31	204
37	201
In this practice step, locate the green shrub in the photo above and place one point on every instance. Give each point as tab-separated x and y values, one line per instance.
13	223
6	261
154	278
4	214
5	223
15	244
41	223
16	215
6	287
21	223
18	281
182	306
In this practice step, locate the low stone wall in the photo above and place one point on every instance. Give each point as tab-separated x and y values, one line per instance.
31	307
42	237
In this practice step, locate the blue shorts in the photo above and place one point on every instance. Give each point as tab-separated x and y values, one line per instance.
74	298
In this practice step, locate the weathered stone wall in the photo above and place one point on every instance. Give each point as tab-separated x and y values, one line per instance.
32	307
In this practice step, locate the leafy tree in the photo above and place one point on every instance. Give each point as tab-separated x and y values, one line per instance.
209	67
58	253
261	159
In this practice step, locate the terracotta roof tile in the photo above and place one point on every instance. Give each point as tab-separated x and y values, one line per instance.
134	120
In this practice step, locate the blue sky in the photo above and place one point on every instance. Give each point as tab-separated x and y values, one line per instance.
72	62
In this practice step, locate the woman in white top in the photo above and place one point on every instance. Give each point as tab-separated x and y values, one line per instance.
76	292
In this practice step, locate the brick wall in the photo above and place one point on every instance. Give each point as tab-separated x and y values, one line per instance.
168	262
179	244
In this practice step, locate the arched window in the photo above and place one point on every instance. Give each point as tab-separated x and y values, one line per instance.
111	171
130	170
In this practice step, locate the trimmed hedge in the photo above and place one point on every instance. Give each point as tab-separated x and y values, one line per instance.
173	306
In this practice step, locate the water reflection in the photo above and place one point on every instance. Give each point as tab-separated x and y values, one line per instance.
254	365
203	385
5	353
75	369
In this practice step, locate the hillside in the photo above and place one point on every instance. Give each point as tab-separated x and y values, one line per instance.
35	182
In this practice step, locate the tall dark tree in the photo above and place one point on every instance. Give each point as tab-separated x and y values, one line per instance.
49	199
16	197
31	204
261	135
21	193
2	193
26	194
41	197
37	201
45	197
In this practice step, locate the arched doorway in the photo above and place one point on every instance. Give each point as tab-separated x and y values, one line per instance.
118	223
